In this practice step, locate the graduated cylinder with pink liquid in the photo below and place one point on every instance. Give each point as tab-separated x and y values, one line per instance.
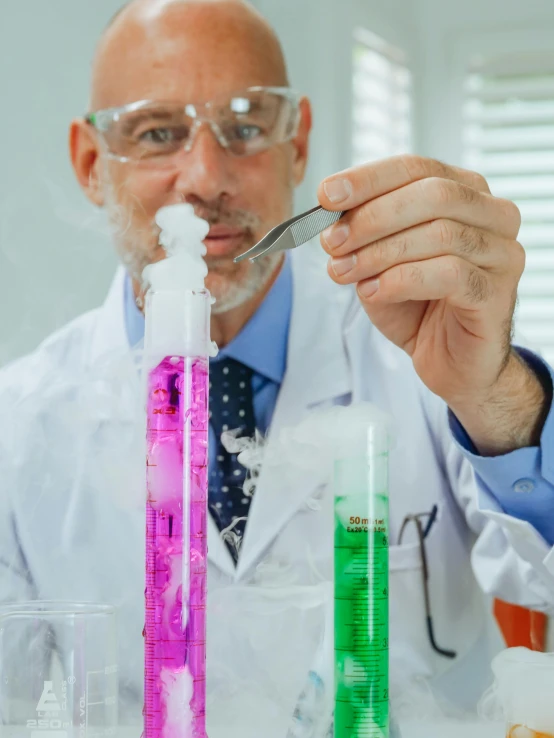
177	345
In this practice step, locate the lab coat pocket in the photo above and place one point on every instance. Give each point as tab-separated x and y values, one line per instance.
410	652
455	605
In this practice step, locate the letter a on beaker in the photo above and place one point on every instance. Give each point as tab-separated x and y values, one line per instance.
48	701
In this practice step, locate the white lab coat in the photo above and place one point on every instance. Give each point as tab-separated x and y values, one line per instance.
72	514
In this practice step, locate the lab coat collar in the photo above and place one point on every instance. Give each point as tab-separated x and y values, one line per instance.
110	333
112	368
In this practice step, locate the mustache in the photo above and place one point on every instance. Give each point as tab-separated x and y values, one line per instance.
214	213
232	217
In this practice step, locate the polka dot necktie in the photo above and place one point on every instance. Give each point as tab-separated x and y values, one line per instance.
231	407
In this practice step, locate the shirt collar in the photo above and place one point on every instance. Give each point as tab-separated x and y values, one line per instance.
261	344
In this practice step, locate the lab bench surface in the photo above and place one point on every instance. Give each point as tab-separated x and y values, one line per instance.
452	730
412	730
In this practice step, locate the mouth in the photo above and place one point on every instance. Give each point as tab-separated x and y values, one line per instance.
224	240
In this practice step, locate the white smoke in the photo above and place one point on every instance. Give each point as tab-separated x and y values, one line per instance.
182	236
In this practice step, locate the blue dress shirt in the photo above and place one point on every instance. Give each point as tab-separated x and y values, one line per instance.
520	482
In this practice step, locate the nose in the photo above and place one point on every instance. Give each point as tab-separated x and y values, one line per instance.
206	171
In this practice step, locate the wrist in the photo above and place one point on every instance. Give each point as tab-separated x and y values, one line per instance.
511	413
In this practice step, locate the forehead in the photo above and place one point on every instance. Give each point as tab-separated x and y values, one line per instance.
191	60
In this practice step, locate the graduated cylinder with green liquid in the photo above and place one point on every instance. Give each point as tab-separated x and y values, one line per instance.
361	587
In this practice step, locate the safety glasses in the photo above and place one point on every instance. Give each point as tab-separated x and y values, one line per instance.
152	133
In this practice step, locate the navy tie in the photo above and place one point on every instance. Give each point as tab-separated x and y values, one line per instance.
231	408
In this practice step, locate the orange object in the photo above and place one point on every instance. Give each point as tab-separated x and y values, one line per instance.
520	731
521	627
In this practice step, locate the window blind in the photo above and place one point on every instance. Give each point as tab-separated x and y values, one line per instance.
382	105
508	136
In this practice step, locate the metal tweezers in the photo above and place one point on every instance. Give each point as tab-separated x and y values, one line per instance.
293	232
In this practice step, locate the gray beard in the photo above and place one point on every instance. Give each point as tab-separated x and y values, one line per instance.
261	271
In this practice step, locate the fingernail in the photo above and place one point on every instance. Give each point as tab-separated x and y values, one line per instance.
343	264
336	235
337	189
369	288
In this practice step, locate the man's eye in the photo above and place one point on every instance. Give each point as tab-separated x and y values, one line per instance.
163	136
247	132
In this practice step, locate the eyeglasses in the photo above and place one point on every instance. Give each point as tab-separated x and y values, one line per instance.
422	535
152	133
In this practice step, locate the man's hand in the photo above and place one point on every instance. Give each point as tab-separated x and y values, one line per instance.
437	263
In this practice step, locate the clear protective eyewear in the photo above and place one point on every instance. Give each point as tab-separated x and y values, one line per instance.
152	133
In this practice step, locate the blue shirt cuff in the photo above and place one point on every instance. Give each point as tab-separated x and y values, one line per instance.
522	482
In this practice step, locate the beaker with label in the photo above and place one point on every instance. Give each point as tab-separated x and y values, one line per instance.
58	670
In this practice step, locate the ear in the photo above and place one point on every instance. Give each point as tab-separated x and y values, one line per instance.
85	158
301	141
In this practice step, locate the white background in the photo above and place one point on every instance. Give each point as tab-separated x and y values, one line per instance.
55	257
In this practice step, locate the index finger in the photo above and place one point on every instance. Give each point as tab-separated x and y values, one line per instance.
353	187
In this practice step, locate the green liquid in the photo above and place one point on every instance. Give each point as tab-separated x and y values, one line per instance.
361	617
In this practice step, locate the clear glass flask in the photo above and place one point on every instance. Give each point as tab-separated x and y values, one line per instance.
58	670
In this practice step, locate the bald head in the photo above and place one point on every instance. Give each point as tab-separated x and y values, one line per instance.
179	52
180	49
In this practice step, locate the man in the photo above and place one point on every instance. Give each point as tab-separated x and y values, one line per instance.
190	102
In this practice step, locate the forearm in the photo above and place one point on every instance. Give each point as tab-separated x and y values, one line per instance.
512	414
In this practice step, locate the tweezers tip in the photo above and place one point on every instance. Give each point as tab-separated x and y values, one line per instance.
240	258
250	255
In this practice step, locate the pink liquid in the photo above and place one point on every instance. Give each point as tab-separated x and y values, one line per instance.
175	651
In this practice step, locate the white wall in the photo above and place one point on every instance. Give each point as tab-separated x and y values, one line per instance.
53	265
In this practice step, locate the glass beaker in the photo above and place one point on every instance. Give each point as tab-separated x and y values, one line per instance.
525	690
58	670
